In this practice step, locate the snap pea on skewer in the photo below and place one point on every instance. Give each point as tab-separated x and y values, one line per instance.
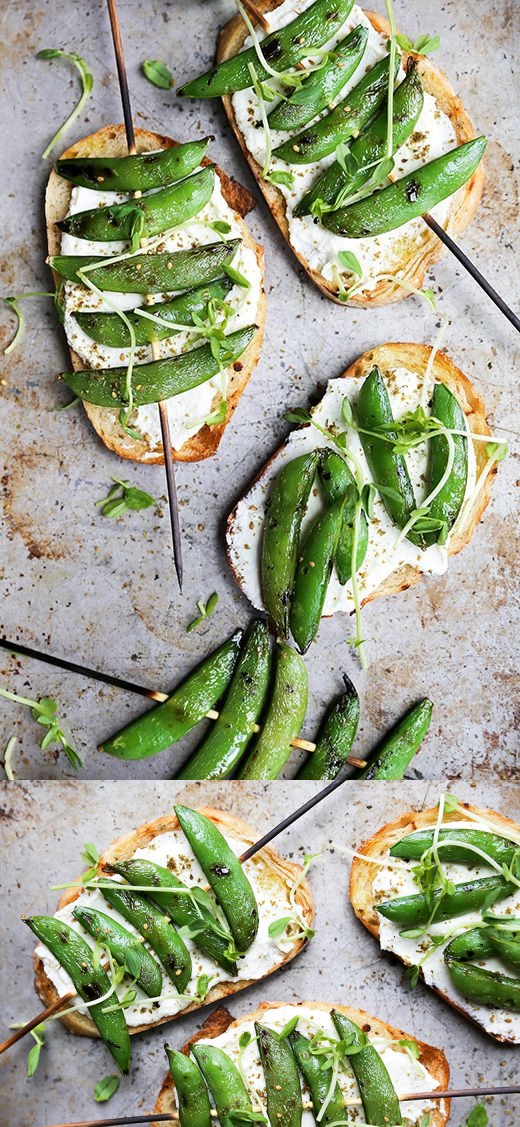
285	509
125	948
412	847
413	195
284	719
110	329
160	379
157	212
338	483
281	49
192	1096
168	722
282	1080
317	1080
159	933
346	120
335	737
224	1081
150	273
417	910
448	502
89	981
484	987
392	757
136	173
378	1095
223	747
323	85
313	572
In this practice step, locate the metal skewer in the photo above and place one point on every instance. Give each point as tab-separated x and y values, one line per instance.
163	409
472	269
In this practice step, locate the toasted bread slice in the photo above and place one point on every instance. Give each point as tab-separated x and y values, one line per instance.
111	141
463	204
283	873
361	875
413	357
434	1060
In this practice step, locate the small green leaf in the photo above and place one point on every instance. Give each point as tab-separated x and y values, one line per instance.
478	1117
245	1039
278	927
202	988
404	42
298	415
106	1088
350	262
221	227
425	44
205	610
289	1027
286	179
157	73
218	416
237	277
497	451
411	1047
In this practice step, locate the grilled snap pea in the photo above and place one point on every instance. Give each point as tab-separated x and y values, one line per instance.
506	944
224	873
313	572
392	757
481	942
284	718
485	987
448	502
220	752
192	1097
111	330
159	933
224	1082
150	273
412	847
346	120
156	212
388	468
283	517
161	379
370	148
123	946
335	737
415	911
182	909
317	1080
282	49
337	484
187	705
89	981
137	173
378	1096
411	196
323	85
282	1080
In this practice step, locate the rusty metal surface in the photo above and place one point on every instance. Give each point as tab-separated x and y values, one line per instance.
44	828
104	592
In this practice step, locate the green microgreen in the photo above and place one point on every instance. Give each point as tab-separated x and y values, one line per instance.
237	277
218	416
14	304
390	102
90	856
203	985
221	227
122	497
106	1088
424	45
279	177
205	609
157	73
8	759
478	1117
288	1028
265	121
38	1035
44	711
87	82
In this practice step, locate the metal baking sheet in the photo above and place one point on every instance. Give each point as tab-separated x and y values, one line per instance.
104	592
44	828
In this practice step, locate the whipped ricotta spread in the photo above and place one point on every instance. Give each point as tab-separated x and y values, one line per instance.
385	555
398	881
391	253
407	1075
172	851
188	411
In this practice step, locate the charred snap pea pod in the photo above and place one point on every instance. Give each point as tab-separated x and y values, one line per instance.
159	933
182	909
481	942
220	752
284	719
134	173
154	213
484	987
411	196
282	1080
281	49
187	705
317	1080
448	502
412	847
192	1096
387	468
126	949
380	1102
89	981
323	85
283	517
111	330
335	737
338	483
392	757
370	148
224	1082
313	572
161	379
224	873
415	911
150	273
344	121
506	945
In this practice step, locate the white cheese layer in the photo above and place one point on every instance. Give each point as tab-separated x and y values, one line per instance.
172	851
398	881
188	411
433	136
407	1075
384	555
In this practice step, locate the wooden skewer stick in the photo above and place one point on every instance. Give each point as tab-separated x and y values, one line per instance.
256	14
163	409
52	1009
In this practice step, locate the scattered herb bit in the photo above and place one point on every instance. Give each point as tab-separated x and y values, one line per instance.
424	45
13	303
44	711
106	1088
278	176
478	1117
8	759
87	82
33	1056
220	227
202	987
90	856
157	73
123	496
205	609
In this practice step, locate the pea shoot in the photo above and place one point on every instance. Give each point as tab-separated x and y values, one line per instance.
122	497
14	304
205	609
44	711
33	1056
87	82
106	1088
157	73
